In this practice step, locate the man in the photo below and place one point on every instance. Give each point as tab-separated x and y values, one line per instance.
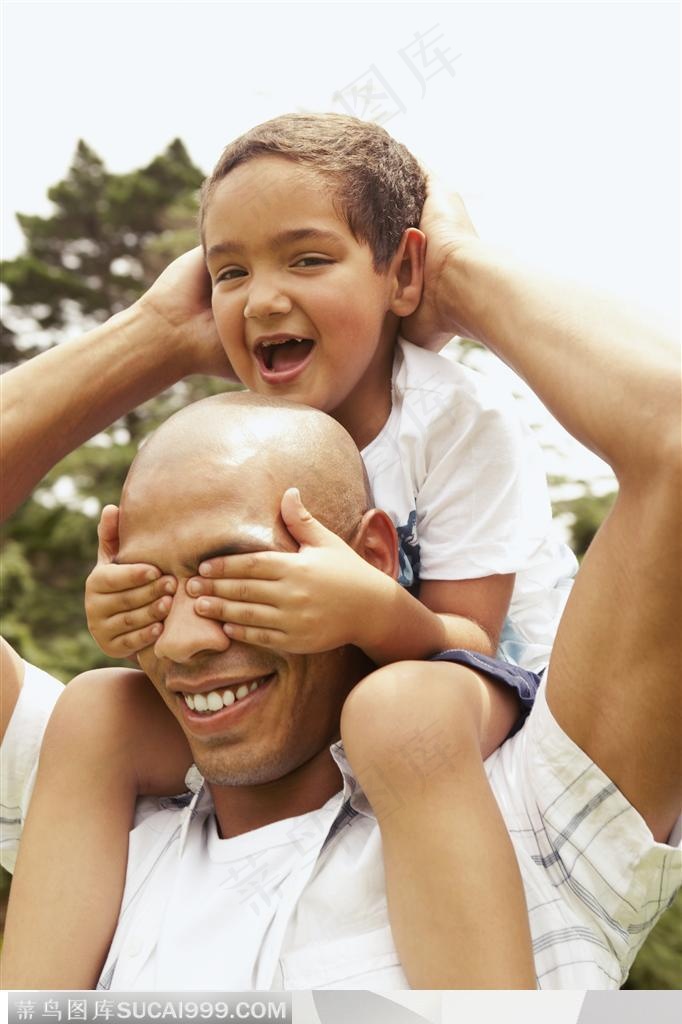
594	878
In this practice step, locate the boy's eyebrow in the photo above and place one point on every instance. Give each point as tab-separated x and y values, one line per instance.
281	238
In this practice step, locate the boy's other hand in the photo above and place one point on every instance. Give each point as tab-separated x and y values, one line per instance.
447	227
124	604
315	599
181	298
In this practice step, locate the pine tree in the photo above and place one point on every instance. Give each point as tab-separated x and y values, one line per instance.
87	258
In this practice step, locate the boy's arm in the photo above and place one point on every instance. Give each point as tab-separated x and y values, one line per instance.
82	386
328	594
472	611
392	625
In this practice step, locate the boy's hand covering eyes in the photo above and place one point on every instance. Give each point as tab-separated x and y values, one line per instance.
303	602
124	604
447	227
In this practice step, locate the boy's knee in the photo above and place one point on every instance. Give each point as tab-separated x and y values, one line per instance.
411	705
113	689
94	712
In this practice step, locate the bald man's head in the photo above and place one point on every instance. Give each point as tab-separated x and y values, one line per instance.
209	483
293	445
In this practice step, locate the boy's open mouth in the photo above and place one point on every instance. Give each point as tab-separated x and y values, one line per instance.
282	358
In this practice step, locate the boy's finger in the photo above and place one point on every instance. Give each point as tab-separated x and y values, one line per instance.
258	637
261	565
107	534
109	604
130	643
262	616
251	591
303	526
110	579
138	618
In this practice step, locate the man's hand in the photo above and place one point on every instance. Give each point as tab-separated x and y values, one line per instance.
447	227
124	604
181	296
315	599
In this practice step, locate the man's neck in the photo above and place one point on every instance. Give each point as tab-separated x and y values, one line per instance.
241	809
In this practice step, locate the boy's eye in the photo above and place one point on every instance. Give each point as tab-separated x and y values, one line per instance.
312	261
230	274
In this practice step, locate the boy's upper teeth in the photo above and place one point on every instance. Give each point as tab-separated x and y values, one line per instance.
279	341
216	700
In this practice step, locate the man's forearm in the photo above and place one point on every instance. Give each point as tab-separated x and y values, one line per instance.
57	400
612	381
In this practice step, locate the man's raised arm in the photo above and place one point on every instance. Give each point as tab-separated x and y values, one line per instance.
614	676
57	400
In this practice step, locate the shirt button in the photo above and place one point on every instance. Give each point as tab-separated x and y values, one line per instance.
135	945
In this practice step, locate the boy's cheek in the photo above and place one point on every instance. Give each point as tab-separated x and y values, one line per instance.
230	335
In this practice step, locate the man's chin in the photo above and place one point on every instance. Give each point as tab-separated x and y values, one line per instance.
254	776
239	771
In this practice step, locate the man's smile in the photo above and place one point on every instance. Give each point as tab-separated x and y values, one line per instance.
212	710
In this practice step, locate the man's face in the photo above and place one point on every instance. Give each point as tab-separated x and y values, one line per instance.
286	266
277	710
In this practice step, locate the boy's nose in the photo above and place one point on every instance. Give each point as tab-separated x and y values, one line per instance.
186	634
266	299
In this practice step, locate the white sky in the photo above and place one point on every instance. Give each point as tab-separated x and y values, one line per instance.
558	122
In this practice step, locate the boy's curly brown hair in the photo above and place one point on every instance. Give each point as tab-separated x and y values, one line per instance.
380	188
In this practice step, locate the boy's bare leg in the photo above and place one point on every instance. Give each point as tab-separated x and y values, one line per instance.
416	734
109	738
614	675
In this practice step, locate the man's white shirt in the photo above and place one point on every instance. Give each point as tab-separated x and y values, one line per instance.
301	904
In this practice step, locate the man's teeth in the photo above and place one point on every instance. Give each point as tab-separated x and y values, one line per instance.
216	700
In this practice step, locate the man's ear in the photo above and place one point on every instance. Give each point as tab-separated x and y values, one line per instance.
377	542
407	272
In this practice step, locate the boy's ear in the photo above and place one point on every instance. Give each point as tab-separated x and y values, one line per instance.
407	272
376	541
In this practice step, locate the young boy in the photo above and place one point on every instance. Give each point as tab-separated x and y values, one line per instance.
309	226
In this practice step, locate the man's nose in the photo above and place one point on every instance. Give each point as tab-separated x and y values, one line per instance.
266	297
186	634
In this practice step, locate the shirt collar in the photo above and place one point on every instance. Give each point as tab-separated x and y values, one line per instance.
352	790
352	796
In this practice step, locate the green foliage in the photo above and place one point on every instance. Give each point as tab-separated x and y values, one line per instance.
659	964
88	253
587	512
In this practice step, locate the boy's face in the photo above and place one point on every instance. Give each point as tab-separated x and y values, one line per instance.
285	266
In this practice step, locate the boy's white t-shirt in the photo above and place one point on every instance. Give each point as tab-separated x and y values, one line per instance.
462	478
